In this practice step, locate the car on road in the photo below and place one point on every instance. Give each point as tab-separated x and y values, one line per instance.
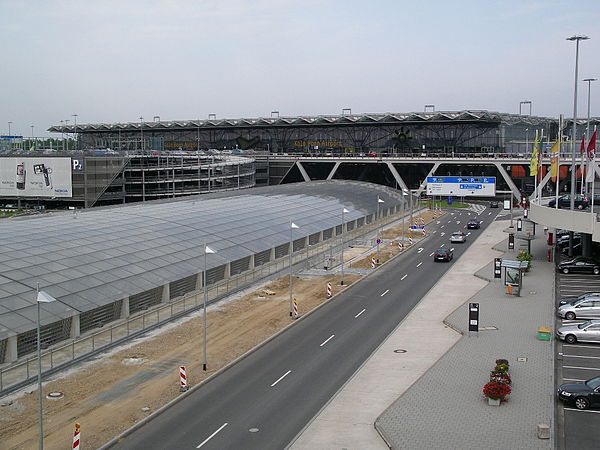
564	301
473	224
458	236
580	264
586	308
493	204
582	332
581	395
443	254
564	201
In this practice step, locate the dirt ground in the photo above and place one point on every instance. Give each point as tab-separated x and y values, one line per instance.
110	394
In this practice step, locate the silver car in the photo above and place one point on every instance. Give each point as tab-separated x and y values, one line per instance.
584	332
586	308
458	236
595	295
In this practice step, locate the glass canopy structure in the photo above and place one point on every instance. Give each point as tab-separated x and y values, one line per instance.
94	261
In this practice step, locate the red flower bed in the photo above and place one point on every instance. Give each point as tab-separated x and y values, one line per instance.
496	390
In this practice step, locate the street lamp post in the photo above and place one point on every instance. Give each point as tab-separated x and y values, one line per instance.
587	128
142	133
574	131
75	121
67	140
378	228
344	210
207	250
292	226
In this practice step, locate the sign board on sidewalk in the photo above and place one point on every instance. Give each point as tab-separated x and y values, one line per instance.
473	316
497	268
511	241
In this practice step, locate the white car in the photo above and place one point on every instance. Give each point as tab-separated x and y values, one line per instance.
458	236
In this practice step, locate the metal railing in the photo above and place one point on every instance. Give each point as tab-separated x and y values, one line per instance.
61	356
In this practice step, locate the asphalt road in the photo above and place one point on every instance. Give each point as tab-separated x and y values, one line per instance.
266	399
575	363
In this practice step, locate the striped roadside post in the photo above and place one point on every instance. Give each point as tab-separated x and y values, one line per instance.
295	307
76	436
373	262
409	241
423	231
329	290
400	246
183	386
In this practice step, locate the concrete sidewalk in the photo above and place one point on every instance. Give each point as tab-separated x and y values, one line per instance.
428	395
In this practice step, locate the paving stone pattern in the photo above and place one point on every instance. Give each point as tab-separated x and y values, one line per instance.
445	408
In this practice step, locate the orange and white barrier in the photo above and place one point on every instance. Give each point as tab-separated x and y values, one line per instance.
329	290
183	386
295	307
76	436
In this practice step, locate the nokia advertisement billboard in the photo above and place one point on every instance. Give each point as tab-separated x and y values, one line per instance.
35	177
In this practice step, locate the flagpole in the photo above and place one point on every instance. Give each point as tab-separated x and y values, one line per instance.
541	162
39	356
582	154
537	163
559	138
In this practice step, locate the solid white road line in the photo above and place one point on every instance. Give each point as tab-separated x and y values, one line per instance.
580	346
360	313
418	265
582	410
327	340
579	356
384	293
281	377
403	277
583	368
212	435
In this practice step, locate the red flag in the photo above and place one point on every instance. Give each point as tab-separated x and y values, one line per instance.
582	148
591	150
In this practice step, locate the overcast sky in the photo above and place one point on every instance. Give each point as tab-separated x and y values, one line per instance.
113	61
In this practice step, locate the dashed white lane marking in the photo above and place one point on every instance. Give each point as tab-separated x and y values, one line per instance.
327	340
420	250
384	293
360	313
431	254
442	233
403	277
281	377
452	249
212	435
418	265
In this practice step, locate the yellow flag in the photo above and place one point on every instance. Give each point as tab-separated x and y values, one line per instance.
533	165
554	161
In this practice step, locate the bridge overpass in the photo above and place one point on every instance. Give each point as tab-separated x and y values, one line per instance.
411	171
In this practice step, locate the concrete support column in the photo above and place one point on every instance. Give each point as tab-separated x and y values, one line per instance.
11	350
166	293
227	271
251	264
199	281
125	308
75	326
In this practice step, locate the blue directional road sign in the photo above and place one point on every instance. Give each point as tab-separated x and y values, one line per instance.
462	186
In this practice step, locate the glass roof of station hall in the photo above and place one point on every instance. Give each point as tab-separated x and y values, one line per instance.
98	256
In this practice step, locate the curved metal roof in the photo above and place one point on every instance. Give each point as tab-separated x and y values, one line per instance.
345	119
99	256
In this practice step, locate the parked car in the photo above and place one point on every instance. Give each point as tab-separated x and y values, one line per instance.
581	395
564	301
458	236
582	332
443	254
493	204
580	264
586	308
473	224
577	249
564	201
564	240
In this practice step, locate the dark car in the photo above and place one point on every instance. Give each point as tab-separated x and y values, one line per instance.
580	264
564	201
564	240
577	248
443	254
473	224
493	204
581	395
